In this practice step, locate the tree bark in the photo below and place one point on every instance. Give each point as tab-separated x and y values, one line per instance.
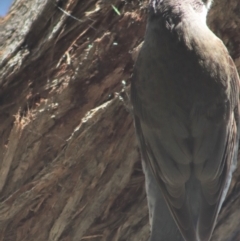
70	168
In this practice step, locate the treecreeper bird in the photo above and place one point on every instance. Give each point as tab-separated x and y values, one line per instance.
185	96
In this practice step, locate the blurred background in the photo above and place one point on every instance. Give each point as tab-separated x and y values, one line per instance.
4	7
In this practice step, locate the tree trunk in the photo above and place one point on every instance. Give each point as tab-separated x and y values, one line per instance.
70	169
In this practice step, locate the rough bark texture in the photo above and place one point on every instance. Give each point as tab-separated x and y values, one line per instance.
69	164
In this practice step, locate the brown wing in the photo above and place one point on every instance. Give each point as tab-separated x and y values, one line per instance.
215	173
176	201
163	148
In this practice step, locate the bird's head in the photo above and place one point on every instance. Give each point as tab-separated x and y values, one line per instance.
179	8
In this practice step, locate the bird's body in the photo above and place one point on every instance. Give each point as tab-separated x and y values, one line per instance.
185	99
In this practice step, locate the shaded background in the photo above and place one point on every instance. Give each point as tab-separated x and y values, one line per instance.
4	6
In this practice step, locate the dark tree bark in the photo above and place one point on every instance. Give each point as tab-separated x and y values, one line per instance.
69	165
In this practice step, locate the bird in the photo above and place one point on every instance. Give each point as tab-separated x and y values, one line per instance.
185	99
